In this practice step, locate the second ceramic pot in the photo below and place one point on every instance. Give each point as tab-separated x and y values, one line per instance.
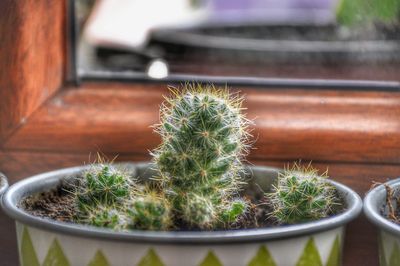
389	232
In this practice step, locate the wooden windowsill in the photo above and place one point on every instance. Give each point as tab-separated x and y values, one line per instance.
325	126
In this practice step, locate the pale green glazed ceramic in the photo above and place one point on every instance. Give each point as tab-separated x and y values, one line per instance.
45	242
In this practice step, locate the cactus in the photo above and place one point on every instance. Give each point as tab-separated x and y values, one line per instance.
199	170
149	211
199	174
204	138
234	210
302	195
199	211
103	216
102	184
100	196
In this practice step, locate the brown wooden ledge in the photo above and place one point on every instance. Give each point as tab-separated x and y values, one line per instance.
328	126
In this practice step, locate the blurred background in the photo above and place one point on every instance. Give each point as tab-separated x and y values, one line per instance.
326	39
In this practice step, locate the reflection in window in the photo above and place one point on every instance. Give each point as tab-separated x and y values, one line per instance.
332	39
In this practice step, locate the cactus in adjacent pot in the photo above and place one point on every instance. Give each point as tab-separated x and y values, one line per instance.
204	138
302	195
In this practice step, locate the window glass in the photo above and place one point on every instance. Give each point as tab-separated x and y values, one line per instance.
306	39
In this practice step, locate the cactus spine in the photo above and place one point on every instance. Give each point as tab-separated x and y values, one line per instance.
204	138
302	195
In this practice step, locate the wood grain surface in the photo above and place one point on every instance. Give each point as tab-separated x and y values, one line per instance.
289	124
31	58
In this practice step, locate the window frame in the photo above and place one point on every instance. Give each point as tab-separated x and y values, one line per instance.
76	76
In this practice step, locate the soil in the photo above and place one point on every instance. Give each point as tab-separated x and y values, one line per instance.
391	208
58	204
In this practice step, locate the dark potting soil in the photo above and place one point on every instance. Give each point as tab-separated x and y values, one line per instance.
58	204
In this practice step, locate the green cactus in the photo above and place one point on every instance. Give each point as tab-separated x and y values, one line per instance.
204	138
100	196
103	216
233	210
103	184
301	195
149	211
199	211
199	174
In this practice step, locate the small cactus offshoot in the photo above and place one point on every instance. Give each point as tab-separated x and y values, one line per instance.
103	184
204	136
100	196
199	211
234	210
302	195
150	211
103	216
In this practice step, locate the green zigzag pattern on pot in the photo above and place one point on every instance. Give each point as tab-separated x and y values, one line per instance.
394	258
335	256
211	260
310	256
99	260
262	258
151	259
28	254
55	256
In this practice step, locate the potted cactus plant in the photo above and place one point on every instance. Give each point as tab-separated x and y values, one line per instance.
196	203
381	206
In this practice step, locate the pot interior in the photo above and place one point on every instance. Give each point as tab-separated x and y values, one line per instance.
376	209
260	179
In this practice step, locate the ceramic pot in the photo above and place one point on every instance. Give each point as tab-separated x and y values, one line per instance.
389	232
47	242
3	183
